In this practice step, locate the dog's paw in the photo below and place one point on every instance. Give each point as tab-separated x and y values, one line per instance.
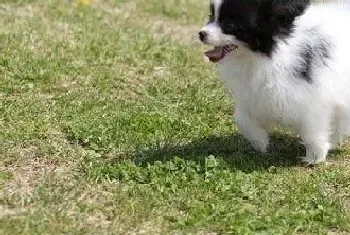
309	162
260	146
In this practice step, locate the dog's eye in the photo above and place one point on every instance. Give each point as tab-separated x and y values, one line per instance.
227	24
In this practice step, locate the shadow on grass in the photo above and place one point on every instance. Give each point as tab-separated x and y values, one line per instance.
233	149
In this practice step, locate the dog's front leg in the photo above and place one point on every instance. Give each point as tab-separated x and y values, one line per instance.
252	131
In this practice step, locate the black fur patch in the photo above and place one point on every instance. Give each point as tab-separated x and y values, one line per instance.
304	72
312	56
258	22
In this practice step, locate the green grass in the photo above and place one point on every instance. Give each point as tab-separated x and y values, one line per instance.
112	123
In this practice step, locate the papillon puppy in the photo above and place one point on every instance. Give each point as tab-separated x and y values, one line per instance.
287	63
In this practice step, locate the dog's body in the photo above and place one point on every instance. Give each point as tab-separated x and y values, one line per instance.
296	76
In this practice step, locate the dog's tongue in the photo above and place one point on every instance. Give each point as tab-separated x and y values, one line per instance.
217	54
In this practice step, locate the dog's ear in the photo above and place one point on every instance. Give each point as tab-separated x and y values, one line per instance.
292	8
279	15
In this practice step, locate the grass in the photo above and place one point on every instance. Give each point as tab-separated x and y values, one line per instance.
112	123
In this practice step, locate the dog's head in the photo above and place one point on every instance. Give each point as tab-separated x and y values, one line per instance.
254	24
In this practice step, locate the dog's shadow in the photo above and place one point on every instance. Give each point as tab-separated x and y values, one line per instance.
233	149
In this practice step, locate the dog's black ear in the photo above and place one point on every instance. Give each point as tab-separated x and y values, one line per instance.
292	8
279	15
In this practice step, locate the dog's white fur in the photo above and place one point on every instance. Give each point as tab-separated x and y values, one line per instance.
266	91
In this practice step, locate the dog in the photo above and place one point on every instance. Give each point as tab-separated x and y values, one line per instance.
286	63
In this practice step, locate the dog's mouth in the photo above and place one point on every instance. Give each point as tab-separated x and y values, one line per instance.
219	52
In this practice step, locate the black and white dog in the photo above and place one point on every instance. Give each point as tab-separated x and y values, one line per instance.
286	62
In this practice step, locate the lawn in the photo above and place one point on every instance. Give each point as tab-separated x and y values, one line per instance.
111	122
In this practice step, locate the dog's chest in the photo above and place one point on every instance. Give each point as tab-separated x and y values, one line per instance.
259	91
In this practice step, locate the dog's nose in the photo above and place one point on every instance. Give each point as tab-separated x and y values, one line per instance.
203	35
